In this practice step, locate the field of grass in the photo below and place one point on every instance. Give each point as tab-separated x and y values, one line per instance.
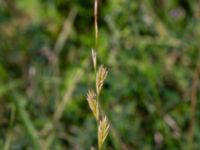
151	49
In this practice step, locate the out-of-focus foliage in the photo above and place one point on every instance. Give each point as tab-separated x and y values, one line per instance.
151	47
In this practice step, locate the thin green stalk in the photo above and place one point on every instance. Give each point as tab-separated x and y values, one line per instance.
98	121
8	136
8	142
26	121
193	105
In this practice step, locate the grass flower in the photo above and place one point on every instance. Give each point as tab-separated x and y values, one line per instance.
101	76
91	98
103	131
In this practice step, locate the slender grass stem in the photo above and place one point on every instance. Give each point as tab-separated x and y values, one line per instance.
26	121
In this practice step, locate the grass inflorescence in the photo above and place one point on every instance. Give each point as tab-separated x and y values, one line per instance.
93	101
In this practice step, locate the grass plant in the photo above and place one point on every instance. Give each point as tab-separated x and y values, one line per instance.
93	96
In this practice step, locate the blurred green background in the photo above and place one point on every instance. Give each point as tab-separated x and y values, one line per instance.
151	49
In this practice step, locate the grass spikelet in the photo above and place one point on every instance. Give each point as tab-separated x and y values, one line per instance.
91	98
103	131
101	76
94	59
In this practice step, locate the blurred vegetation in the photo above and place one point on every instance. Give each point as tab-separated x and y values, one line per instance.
151	48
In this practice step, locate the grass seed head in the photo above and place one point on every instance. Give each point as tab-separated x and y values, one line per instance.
91	98
94	59
101	76
103	131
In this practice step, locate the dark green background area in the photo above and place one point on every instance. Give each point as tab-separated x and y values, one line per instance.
150	47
